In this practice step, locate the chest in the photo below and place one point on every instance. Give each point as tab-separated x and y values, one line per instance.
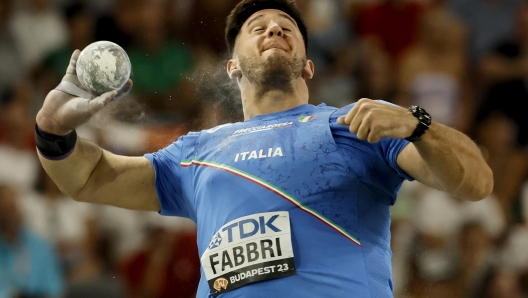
289	154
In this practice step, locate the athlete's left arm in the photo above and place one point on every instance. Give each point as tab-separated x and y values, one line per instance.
450	161
444	158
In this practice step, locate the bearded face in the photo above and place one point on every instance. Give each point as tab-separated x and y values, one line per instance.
276	72
270	53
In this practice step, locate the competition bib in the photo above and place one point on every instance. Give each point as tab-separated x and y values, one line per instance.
249	249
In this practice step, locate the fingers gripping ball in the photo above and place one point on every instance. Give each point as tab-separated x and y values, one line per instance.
103	66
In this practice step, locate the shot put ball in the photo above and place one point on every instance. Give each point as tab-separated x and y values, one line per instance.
103	66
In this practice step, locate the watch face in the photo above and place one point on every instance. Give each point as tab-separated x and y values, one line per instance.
422	114
425	121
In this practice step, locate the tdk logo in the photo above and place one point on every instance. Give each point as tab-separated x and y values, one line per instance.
250	227
216	241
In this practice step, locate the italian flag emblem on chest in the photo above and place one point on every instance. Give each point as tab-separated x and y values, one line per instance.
306	118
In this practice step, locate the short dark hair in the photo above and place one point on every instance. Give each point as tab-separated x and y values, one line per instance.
247	8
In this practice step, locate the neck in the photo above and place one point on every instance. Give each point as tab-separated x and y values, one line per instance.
258	102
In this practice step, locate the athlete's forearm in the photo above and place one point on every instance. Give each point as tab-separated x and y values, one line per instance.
456	162
91	174
72	174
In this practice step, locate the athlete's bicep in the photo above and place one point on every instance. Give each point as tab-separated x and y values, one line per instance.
410	161
122	181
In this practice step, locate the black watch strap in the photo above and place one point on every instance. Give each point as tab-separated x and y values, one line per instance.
424	122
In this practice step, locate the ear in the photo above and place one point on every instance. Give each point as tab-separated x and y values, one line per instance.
233	69
309	70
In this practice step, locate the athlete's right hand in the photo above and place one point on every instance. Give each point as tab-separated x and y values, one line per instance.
63	112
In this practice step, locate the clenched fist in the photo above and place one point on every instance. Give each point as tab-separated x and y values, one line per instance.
372	120
69	105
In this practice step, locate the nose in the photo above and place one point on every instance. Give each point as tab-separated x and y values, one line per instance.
275	30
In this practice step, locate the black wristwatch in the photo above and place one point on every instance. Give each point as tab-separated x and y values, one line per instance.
423	125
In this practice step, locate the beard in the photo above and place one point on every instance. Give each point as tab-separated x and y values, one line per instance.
275	73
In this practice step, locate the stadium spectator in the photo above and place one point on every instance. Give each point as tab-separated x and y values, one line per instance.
505	72
377	75
206	27
489	21
390	25
99	276
17	153
477	249
501	283
329	32
497	136
167	266
58	218
29	266
119	22
10	71
335	51
161	66
81	30
433	72
38	28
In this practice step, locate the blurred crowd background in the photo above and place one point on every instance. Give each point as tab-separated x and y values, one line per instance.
464	61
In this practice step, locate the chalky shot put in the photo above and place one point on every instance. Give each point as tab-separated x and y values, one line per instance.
292	202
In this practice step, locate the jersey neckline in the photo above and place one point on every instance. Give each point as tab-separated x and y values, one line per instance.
293	111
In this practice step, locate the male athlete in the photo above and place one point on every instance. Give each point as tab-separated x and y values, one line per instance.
292	202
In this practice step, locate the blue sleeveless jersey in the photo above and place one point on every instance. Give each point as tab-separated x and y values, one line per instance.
335	188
